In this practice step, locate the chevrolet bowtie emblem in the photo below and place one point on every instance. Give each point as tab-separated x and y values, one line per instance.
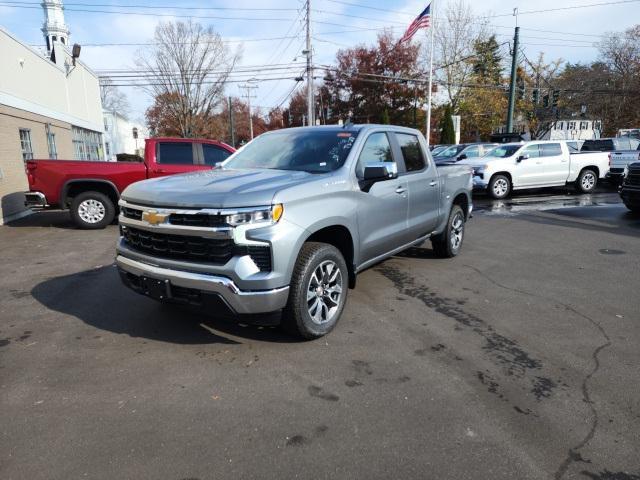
154	218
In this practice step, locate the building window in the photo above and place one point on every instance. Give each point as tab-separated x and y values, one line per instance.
571	126
51	142
25	144
87	144
107	149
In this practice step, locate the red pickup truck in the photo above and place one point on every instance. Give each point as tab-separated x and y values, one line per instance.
91	189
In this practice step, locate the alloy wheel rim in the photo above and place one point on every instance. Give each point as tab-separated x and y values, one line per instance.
457	231
500	187
91	211
588	181
324	292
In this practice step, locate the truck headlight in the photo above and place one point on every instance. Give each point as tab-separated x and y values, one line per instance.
259	215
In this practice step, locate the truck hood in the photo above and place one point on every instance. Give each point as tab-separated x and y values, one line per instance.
219	188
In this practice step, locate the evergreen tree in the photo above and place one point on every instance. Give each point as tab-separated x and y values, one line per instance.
385	117
447	133
488	61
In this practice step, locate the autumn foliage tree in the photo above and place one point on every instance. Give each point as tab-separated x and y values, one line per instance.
369	80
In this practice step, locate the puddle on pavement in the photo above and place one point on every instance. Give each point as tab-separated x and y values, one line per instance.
527	204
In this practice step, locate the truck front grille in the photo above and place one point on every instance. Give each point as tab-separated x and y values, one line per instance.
193	249
132	213
196	220
633	177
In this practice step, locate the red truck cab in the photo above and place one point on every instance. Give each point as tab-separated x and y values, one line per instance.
91	189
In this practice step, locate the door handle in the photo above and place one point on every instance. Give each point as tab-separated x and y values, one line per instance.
433	183
400	190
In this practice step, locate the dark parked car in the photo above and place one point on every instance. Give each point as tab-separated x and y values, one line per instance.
455	153
630	190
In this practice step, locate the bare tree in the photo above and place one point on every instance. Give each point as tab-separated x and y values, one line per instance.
190	64
457	31
113	100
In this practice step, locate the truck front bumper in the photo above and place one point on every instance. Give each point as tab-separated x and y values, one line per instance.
479	183
188	287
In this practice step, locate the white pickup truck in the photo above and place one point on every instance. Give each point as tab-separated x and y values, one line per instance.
619	160
538	164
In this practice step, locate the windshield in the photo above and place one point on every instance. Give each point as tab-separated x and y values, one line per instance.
308	150
451	151
503	151
437	150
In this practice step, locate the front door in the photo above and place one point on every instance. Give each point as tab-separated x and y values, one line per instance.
556	164
382	208
529	172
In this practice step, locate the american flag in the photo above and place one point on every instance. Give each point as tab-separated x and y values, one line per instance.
421	21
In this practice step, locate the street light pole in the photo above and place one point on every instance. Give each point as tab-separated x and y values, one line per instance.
309	52
512	85
248	88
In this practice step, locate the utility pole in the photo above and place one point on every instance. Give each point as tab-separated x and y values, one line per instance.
248	88
232	130
512	85
310	102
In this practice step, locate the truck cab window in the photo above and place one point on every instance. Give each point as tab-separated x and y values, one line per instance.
178	153
550	149
214	154
532	150
376	149
411	152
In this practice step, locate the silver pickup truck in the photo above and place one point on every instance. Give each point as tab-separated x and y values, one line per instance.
286	223
619	160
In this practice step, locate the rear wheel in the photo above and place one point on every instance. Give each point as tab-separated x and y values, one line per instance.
92	210
449	243
499	186
318	291
587	181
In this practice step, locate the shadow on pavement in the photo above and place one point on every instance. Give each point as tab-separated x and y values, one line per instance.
99	299
419	253
46	219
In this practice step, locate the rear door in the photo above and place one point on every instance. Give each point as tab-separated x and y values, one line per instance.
555	162
422	179
173	158
382	208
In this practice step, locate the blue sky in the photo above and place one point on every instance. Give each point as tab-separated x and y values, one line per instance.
568	34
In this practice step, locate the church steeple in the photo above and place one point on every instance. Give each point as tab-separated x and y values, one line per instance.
54	29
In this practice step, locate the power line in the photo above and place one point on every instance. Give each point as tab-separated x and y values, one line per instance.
161	7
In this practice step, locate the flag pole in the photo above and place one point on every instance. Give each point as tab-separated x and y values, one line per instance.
428	123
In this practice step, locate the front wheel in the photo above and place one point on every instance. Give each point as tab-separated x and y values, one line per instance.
318	291
586	181
92	210
499	187
449	243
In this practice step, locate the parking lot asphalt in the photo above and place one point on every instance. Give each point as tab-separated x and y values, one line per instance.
516	360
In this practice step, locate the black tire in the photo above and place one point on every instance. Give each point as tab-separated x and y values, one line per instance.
449	243
499	187
633	208
92	210
297	318
586	181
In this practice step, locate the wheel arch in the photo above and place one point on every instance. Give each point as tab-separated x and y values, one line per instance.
71	188
340	237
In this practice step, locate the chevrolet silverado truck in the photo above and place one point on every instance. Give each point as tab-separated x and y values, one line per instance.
90	189
286	223
630	189
537	164
619	160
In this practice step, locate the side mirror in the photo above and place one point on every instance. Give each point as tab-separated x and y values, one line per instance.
462	156
522	157
378	171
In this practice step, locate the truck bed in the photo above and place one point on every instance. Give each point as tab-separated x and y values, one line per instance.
50	176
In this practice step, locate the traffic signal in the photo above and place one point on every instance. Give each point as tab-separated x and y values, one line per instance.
521	91
556	96
545	101
536	95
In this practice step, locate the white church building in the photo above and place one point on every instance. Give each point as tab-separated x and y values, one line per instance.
49	107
